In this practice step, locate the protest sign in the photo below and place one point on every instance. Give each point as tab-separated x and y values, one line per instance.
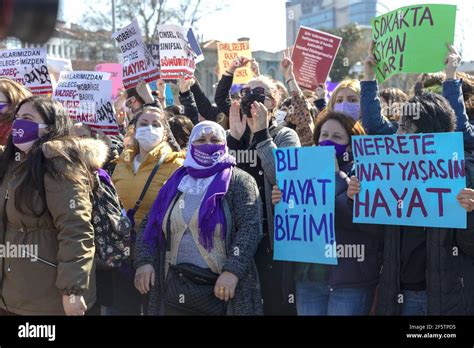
169	98
154	50
227	52
27	66
87	96
304	219
177	57
313	56
137	61
413	39
116	76
410	180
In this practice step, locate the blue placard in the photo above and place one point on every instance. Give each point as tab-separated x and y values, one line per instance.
169	95
195	46
410	180
304	219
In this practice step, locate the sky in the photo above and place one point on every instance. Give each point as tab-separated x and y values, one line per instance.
265	23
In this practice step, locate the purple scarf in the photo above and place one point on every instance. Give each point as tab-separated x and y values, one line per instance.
211	211
105	176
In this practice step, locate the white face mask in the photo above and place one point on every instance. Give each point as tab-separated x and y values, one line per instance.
25	147
149	137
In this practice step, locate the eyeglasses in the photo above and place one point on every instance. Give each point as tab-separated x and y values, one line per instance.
257	91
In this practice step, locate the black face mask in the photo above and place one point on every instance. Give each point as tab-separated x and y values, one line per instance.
247	101
345	158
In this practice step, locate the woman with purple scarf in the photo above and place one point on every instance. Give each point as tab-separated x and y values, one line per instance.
208	217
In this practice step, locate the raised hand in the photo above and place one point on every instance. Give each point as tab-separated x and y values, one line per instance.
452	62
369	63
259	120
237	125
286	65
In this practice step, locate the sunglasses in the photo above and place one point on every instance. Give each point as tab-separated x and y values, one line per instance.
257	91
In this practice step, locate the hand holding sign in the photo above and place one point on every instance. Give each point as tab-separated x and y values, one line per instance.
144	91
276	195
466	199
353	187
369	64
237	63
452	62
184	84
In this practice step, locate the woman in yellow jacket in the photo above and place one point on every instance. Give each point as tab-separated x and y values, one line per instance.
154	143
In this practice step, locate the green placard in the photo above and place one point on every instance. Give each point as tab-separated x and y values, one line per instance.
413	39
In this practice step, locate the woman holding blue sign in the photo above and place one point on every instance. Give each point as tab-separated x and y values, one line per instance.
348	287
375	123
427	270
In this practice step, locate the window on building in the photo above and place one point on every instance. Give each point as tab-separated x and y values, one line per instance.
272	72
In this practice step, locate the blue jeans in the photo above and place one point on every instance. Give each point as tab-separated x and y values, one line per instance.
414	303
318	298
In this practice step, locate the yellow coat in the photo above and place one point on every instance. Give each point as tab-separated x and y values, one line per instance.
130	185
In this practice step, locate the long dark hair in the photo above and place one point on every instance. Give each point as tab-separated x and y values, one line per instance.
181	127
435	114
35	165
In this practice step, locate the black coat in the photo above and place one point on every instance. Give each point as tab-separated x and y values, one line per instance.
449	273
351	272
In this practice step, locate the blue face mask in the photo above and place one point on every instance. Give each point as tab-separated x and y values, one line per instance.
350	109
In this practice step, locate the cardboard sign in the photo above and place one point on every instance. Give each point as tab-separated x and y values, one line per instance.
177	57
27	66
410	180
137	61
227	52
413	39
304	219
313	56
87	96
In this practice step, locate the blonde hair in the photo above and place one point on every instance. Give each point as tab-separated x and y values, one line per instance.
352	84
15	93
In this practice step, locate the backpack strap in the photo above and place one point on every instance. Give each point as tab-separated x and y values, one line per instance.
148	182
168	222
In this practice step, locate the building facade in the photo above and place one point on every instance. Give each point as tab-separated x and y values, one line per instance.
329	14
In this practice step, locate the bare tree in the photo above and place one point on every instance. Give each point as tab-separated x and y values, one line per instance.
149	13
